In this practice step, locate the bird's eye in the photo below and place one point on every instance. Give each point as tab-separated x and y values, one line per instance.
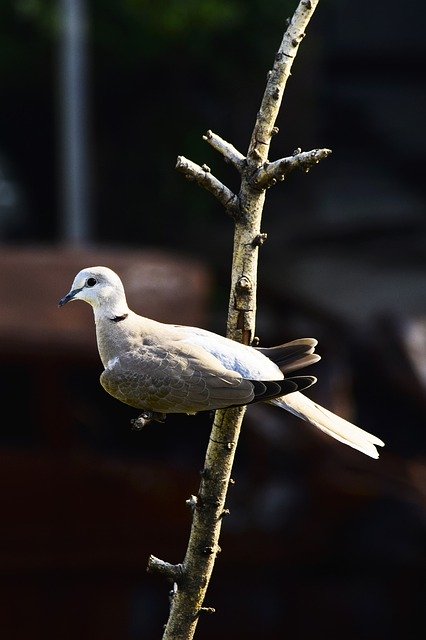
90	282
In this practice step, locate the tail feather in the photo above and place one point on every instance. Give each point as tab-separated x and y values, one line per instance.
265	390
293	355
340	429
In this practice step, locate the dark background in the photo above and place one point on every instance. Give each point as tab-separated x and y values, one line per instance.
321	541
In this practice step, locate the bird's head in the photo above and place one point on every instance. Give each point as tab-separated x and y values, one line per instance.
100	287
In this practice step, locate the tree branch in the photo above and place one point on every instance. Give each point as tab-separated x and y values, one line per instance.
272	172
209	505
277	80
203	177
229	152
173	572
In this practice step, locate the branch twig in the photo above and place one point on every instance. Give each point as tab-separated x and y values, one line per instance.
173	572
229	152
271	172
203	177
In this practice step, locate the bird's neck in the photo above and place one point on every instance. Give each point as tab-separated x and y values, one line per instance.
113	312
112	334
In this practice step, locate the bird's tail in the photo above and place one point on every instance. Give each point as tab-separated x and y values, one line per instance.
336	427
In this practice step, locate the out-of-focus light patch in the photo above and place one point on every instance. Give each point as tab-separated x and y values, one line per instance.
415	342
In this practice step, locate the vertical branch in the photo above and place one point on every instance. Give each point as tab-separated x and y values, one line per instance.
277	79
192	577
242	305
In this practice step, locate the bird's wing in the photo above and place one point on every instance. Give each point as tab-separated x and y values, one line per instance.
340	429
249	362
174	380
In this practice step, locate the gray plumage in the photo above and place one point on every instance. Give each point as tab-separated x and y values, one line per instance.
163	368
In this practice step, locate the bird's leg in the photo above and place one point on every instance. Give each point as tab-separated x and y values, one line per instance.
145	418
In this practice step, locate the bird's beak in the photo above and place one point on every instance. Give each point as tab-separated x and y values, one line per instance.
68	297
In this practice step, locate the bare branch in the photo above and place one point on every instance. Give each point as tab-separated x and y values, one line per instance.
173	572
229	152
272	172
204	178
277	80
203	547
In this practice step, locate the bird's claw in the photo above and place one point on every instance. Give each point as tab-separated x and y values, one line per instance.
145	418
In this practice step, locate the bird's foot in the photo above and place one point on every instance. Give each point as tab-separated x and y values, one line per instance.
145	418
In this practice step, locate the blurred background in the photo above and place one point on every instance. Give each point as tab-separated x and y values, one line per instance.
97	99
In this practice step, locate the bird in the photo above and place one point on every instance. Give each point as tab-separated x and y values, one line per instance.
163	369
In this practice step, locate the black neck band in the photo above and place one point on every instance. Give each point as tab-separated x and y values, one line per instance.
119	318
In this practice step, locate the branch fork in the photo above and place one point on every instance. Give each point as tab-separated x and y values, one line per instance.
263	176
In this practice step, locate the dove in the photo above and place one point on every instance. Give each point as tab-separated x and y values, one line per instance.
163	369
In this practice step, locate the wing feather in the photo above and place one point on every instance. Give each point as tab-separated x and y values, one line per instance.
166	381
